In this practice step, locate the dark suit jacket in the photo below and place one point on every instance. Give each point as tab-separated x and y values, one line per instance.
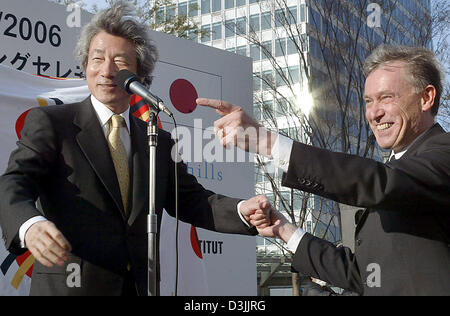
405	231
63	159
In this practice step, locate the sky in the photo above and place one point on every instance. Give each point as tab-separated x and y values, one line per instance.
101	4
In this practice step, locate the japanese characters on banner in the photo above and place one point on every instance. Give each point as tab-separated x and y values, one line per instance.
38	37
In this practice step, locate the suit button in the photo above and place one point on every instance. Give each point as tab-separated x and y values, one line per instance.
358	242
302	181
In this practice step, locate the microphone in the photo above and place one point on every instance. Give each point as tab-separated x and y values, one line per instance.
128	81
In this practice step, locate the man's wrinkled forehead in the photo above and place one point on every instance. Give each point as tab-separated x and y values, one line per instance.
392	67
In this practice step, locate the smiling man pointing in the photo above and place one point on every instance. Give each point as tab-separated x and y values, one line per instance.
403	234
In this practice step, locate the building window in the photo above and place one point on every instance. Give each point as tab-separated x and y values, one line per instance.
279	77
230	28
282	107
229	4
292	45
159	16
216	5
193	35
285	16
291	15
266	21
294	74
304	42
255	52
280	47
206	7
254	23
267	80
267	49
193	8
241	27
241	50
267	108
260	241
206	33
279	18
256	86
302	12
182	9
170	13
217	31
256	116
240	3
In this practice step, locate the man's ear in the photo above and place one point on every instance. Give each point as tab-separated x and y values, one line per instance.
427	98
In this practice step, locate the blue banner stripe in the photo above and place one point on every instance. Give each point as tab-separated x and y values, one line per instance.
137	106
7	263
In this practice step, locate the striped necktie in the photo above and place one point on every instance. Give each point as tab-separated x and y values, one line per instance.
119	157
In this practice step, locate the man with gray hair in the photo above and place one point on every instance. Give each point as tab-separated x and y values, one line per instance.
87	164
403	234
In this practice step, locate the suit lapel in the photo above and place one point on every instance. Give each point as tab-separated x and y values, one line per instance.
362	215
92	142
360	218
415	147
140	171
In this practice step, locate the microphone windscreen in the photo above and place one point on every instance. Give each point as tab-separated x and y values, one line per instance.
122	78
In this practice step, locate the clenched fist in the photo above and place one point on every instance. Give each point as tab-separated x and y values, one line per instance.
256	211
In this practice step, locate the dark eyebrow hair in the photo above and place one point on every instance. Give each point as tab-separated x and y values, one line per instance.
122	55
101	51
97	50
378	93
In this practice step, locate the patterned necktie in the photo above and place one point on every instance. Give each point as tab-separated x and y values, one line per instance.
119	157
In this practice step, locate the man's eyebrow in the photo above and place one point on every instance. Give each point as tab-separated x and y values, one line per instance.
121	55
98	51
379	93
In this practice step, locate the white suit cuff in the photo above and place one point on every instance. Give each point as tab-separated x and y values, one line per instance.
240	215
295	240
23	229
281	152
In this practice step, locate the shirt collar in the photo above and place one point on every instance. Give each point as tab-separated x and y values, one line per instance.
104	113
401	153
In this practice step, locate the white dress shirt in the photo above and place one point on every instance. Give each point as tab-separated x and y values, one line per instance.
281	154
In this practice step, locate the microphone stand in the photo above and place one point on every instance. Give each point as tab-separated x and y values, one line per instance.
152	219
